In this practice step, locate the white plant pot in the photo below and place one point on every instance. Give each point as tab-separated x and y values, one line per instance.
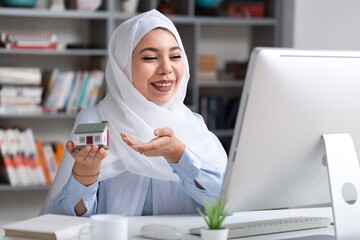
214	234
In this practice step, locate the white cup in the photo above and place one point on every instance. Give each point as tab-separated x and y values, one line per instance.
108	226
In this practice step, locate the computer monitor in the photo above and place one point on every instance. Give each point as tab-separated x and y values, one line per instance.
291	98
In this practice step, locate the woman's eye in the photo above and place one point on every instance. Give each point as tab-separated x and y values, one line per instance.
176	57
149	58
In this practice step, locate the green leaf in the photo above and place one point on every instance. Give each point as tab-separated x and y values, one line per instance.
215	213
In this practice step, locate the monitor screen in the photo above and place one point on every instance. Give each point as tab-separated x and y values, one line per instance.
290	98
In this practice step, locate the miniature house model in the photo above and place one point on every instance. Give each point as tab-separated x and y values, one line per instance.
92	133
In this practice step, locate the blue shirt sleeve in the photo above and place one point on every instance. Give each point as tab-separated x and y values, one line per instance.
72	193
191	168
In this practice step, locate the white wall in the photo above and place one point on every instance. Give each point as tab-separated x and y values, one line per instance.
321	24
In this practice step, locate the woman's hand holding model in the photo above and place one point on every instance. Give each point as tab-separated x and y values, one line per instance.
87	164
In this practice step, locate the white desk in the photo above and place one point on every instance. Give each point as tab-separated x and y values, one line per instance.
184	222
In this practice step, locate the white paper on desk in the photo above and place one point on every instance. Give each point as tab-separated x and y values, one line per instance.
48	227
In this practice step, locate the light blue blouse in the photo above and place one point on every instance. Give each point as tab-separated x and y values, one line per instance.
102	197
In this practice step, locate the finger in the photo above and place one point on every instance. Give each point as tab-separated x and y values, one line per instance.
154	145
70	146
160	132
124	138
92	153
128	140
101	153
80	152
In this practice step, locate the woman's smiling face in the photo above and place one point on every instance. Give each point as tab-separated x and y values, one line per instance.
157	66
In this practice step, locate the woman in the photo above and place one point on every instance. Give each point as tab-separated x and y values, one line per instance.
162	158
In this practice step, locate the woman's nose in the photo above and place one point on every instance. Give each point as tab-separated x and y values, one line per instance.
165	67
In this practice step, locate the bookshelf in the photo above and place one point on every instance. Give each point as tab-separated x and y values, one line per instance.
228	38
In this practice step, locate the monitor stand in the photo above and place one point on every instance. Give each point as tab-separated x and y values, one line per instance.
344	179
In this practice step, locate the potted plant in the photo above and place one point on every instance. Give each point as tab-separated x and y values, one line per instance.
214	216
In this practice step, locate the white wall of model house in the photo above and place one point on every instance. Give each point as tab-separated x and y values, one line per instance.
98	138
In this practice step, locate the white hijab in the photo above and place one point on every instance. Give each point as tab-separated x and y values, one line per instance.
128	111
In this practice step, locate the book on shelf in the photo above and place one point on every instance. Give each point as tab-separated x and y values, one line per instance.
42	161
21	99
208	109
84	86
26	161
28	37
56	90
32	157
207	71
207	76
21	109
207	62
71	104
218	112
94	89
43	46
20	76
48	227
13	144
28	40
63	88
49	155
246	8
59	150
236	69
21	91
49	86
73	90
231	110
7	169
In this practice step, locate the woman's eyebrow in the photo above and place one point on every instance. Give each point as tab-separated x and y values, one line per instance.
149	49
157	50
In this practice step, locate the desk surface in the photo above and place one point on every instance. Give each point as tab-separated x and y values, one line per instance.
185	222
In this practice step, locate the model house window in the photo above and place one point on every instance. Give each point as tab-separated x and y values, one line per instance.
97	138
82	139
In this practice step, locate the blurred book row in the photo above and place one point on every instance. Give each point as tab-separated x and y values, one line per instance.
26	161
25	90
218	112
